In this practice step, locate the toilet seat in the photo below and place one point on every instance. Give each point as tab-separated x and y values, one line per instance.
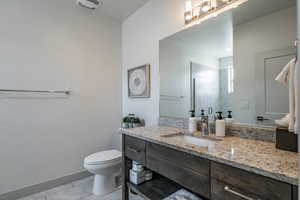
103	157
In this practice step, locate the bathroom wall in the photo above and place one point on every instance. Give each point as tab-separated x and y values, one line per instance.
271	32
56	45
141	33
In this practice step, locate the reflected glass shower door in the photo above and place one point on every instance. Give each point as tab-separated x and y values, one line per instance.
204	87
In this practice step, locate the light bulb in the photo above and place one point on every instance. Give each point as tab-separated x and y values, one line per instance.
188	6
214	4
196	11
188	15
206	5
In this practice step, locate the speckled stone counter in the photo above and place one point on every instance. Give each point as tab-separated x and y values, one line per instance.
251	155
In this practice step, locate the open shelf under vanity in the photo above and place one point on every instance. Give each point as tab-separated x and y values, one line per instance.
158	188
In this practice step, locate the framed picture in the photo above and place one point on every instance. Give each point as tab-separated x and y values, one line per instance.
139	82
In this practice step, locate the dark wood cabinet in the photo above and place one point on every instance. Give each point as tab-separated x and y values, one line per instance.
189	171
208	179
181	159
232	181
295	192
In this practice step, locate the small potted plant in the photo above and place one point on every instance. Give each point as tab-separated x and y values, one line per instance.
125	122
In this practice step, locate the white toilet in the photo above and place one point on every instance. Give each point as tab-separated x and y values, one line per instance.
106	166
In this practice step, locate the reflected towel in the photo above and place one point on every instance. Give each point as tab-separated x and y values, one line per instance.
289	75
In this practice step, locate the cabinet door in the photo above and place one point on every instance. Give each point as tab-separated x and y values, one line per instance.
295	192
223	191
272	99
240	184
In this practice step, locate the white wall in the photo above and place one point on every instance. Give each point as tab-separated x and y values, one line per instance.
272	32
56	45
140	43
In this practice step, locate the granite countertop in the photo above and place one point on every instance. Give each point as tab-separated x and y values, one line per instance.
251	155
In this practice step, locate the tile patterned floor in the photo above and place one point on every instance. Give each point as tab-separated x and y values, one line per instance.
78	190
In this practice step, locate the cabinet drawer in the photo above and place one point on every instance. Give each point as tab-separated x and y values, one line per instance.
189	171
295	192
135	149
222	191
245	183
179	158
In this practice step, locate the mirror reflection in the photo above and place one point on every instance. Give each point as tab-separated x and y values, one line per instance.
229	63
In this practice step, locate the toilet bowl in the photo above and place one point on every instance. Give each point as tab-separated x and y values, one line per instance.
106	166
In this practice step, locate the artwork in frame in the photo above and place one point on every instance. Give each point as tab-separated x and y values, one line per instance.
139	82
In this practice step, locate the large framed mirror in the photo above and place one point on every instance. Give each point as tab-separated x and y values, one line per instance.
230	62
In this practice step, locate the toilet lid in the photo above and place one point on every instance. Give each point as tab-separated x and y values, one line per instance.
103	157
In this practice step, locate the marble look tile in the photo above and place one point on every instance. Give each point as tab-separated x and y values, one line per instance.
37	196
89	180
78	190
33	198
74	193
267	134
57	189
117	195
261	133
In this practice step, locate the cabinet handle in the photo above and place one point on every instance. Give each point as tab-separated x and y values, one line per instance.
227	189
133	149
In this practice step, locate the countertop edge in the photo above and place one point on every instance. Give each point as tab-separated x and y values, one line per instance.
276	176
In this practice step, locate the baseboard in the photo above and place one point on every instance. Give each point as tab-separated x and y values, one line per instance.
27	191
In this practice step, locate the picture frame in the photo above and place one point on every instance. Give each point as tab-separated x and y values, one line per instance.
139	82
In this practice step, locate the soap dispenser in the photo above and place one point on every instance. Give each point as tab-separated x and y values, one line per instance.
229	118
220	125
192	122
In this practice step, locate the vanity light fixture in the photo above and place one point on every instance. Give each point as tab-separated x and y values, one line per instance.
199	11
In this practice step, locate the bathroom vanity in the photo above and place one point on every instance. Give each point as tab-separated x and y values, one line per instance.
230	168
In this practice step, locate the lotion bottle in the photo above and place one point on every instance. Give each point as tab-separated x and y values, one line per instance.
220	125
192	122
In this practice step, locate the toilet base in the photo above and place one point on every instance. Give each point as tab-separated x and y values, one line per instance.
105	184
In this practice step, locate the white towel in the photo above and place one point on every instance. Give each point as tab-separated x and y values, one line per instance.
289	75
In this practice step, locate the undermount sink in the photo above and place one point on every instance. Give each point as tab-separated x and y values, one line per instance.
197	141
201	141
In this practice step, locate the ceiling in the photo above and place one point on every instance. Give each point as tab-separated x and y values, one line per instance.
120	9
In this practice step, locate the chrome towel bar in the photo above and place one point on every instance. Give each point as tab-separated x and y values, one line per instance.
37	91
